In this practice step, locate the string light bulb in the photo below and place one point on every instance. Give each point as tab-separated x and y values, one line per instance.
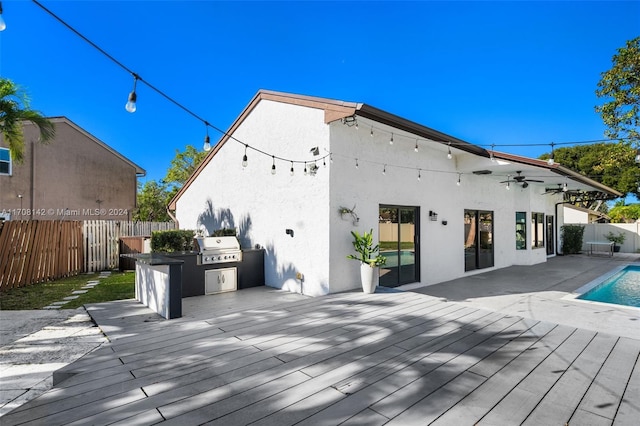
371	131
292	171
273	165
131	100
3	25
305	169
551	160
459	182
449	155
207	141
419	175
508	180
244	157
491	156
356	163
324	162
416	148
391	140
384	170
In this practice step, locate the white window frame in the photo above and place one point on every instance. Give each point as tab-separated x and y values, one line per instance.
10	162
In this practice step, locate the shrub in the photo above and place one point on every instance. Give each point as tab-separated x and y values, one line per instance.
572	236
172	240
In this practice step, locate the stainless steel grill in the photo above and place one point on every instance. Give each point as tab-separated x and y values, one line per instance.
213	250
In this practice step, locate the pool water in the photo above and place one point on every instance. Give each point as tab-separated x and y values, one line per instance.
406	258
623	288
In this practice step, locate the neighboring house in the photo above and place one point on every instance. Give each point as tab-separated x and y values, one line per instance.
444	210
579	215
74	177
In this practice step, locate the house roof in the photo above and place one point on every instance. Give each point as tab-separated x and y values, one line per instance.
139	170
336	110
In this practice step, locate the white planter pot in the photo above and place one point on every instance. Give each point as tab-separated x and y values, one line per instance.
368	278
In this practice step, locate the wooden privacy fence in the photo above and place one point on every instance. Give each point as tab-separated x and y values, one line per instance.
40	250
101	240
36	251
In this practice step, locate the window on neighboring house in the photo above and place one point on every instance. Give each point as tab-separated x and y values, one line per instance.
521	230
5	161
537	230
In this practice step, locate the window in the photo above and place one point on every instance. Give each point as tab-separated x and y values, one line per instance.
537	230
521	230
5	161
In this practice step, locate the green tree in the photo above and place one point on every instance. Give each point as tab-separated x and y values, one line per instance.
612	164
621	87
14	110
183	165
153	198
625	214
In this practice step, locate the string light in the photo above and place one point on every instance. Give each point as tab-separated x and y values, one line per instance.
324	163
551	160
491	157
416	148
244	157
356	163
131	105
3	24
207	141
459	182
273	165
292	171
131	101
305	168
384	170
391	140
508	180
419	175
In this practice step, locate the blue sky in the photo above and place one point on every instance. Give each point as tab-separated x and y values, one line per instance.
503	73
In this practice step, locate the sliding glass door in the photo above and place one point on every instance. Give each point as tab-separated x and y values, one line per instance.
478	239
398	230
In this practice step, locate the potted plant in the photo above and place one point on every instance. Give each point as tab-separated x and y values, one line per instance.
369	258
615	239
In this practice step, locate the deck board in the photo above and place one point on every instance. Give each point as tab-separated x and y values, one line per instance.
272	358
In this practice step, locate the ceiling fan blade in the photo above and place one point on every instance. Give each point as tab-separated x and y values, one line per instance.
534	180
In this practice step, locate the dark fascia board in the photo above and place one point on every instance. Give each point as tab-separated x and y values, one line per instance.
384	117
559	169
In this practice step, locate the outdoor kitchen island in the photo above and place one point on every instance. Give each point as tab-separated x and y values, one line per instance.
163	279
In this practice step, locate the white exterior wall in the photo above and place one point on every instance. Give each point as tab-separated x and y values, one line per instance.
441	246
575	216
263	206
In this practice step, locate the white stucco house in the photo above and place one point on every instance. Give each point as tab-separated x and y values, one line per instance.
440	207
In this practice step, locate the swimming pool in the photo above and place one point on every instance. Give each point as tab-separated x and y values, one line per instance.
621	287
407	257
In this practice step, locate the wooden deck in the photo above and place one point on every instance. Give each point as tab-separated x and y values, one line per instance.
264	357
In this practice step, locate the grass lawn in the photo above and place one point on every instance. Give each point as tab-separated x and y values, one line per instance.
120	285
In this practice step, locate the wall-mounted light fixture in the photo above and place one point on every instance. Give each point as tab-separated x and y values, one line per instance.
289	232
433	215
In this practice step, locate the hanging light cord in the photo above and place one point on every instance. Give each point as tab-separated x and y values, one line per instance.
224	133
157	90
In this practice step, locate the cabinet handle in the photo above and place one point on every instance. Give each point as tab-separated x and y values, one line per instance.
218	279
223	278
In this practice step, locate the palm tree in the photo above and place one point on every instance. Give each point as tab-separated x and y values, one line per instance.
14	109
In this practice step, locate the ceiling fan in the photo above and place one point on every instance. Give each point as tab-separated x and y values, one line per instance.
519	178
561	188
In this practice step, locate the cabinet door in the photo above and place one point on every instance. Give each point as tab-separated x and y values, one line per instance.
220	280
